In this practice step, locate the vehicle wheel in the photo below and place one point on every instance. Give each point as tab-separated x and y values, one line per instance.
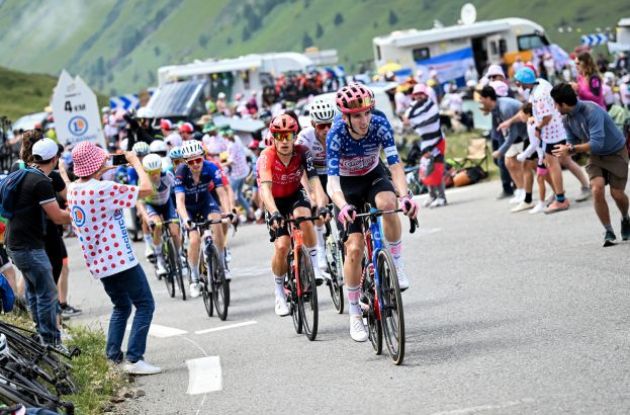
175	267
292	303
220	286
392	314
336	273
307	303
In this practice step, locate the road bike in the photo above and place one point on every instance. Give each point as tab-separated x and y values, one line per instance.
174	266
215	288
299	284
381	299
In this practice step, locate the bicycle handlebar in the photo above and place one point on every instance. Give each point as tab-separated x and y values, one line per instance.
225	218
413	222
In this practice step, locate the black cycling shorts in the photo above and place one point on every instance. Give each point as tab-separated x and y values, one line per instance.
359	190
286	206
550	147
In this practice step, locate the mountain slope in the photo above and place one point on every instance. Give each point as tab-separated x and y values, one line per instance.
118	45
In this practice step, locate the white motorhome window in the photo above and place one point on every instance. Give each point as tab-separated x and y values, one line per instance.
420	54
529	42
378	53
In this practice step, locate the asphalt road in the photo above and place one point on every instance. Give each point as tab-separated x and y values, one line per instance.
507	314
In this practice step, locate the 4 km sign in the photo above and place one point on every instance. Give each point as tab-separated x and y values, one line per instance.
76	112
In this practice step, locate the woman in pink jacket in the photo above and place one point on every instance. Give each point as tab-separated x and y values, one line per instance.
589	85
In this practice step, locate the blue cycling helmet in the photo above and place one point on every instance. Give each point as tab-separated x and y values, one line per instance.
526	76
176	153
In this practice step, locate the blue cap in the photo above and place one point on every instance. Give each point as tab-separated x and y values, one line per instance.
525	75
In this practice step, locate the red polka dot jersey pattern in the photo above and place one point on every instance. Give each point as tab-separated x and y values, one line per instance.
98	220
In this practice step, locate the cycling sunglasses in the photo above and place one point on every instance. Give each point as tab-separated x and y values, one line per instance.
323	126
284	136
195	161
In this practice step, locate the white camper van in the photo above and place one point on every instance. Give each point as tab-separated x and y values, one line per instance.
231	76
452	50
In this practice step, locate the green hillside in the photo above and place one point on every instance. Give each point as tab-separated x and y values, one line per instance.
24	93
117	45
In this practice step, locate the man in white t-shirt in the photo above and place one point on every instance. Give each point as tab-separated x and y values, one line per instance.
97	207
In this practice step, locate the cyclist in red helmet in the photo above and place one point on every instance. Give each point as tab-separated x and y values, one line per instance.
280	169
186	130
356	176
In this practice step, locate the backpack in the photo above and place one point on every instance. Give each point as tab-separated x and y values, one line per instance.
8	189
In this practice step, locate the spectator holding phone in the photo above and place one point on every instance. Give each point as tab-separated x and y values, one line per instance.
96	208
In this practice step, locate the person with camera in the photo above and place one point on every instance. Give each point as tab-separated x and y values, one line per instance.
97	207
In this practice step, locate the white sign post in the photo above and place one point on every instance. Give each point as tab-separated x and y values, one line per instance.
76	112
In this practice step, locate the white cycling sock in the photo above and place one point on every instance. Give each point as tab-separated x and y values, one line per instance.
157	248
353	299
194	273
320	231
148	239
279	285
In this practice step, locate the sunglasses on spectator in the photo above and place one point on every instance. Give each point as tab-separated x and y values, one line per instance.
323	126
284	136
192	162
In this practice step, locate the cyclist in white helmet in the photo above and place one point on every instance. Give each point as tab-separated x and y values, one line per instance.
322	113
195	182
160	148
158	207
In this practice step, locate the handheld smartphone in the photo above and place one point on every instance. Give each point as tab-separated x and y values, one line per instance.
118	160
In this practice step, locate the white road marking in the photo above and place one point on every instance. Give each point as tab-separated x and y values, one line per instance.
428	231
482	408
229	326
162	331
204	375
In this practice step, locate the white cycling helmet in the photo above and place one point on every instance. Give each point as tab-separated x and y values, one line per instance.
191	149
158	146
141	148
322	111
152	162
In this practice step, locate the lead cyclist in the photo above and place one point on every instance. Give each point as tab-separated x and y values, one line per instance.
356	176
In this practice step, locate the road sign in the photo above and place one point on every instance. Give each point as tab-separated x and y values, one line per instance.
125	102
594	39
76	112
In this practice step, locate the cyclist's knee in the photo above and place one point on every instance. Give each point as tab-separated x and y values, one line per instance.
282	245
386	201
354	247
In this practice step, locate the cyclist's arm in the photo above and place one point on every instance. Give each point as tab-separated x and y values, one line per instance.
318	191
333	188
223	199
399	179
180	201
266	181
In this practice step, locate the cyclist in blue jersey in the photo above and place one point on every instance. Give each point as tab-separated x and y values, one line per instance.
194	182
158	207
356	176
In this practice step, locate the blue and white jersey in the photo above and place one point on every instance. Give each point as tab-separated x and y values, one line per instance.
349	157
197	194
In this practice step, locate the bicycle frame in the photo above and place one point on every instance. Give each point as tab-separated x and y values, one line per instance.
374	244
297	240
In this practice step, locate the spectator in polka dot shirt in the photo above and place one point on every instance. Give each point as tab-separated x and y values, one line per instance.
97	207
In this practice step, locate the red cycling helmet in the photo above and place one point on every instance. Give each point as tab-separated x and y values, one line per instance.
166	124
283	123
354	98
186	128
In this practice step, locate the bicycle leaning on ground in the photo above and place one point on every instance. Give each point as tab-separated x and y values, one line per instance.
381	299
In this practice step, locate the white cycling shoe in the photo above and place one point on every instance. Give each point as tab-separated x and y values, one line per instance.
282	308
195	290
403	281
357	329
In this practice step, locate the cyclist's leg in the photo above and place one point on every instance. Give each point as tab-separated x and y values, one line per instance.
302	209
170	214
320	229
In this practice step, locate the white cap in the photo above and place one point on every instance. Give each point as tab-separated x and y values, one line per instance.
494	70
45	149
221	95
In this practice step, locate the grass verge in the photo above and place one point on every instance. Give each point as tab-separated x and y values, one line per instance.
96	378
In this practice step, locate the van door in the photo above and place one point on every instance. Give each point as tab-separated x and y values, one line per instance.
496	47
480	53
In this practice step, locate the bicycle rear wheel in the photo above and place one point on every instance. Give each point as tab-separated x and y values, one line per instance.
307	302
370	312
175	267
220	286
392	314
205	288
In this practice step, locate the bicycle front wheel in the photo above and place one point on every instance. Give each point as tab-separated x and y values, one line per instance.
205	287
371	311
220	286
392	314
307	302
169	278
175	267
335	260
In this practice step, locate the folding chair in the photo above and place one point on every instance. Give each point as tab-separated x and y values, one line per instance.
476	156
